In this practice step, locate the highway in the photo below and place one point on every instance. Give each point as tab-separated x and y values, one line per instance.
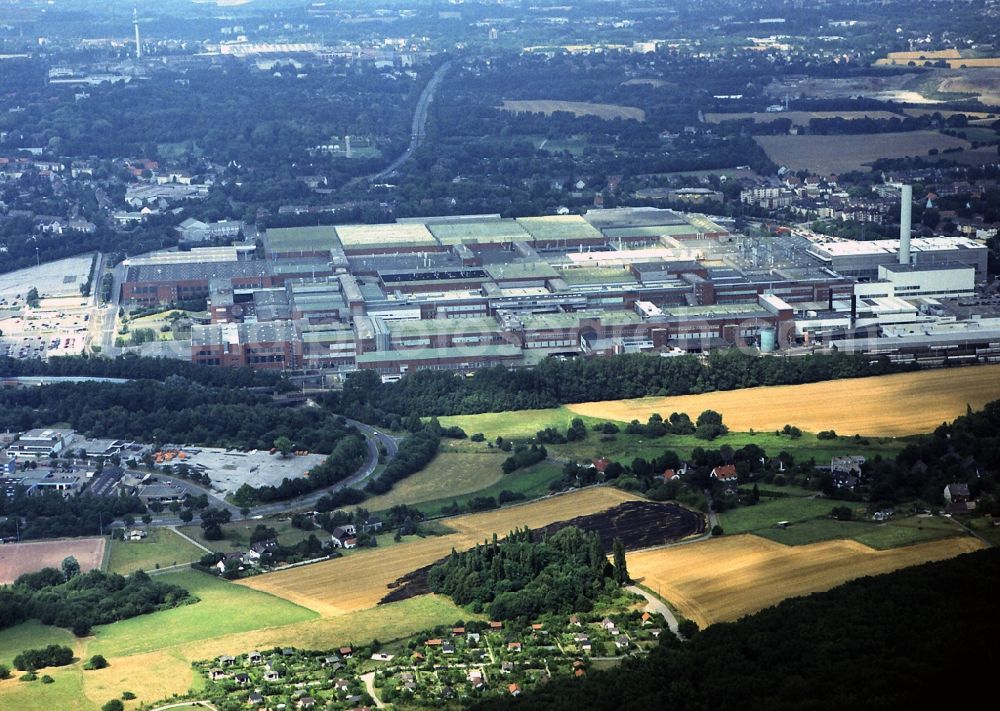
418	128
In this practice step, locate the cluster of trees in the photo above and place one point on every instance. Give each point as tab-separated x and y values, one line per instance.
708	426
966	450
55	516
66	598
518	577
523	457
175	410
54	655
556	382
898	638
576	432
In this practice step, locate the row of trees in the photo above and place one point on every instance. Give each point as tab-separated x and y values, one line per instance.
556	382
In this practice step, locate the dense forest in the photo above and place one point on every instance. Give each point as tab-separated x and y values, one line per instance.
889	642
518	577
173	411
556	382
78	601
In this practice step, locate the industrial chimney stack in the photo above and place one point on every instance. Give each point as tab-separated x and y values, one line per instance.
905	215
135	24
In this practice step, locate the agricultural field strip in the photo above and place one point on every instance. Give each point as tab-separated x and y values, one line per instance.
17	559
888	405
723	579
825	154
579	108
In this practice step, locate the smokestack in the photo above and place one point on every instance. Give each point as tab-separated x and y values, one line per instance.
905	214
135	23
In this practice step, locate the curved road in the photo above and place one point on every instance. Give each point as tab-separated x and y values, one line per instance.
418	126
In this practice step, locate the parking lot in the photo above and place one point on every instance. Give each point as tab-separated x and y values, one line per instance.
230	469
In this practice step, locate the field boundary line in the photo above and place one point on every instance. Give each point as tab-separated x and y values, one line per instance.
191	540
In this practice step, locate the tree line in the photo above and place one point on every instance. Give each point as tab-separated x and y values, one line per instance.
557	382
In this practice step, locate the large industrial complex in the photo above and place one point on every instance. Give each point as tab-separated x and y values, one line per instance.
464	292
459	293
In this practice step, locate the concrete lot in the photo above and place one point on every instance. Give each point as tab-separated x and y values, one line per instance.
230	469
60	278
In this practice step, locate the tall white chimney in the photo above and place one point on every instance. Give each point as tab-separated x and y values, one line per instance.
135	24
905	215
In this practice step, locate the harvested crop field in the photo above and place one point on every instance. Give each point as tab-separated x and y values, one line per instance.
726	578
359	581
888	405
578	108
639	524
16	559
798	118
841	154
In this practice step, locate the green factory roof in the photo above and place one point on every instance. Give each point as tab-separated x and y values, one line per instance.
556	227
490	231
301	239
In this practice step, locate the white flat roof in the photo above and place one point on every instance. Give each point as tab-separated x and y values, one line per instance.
850	248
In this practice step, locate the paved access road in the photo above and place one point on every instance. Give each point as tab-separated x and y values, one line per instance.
418	128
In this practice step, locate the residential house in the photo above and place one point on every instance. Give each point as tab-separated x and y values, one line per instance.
258	549
447	648
371	524
271	675
956	493
255	658
307	702
226	661
726	475
621	642
494	625
506	667
344	537
514	689
216	674
513	646
242	678
340	685
346	652
255	699
476	678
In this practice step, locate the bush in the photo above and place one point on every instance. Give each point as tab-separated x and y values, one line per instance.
4	671
113	705
478	437
826	434
717	530
688	628
96	662
46	679
128	695
30	676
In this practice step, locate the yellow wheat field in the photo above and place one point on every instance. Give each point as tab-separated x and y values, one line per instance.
359	581
888	405
724	579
